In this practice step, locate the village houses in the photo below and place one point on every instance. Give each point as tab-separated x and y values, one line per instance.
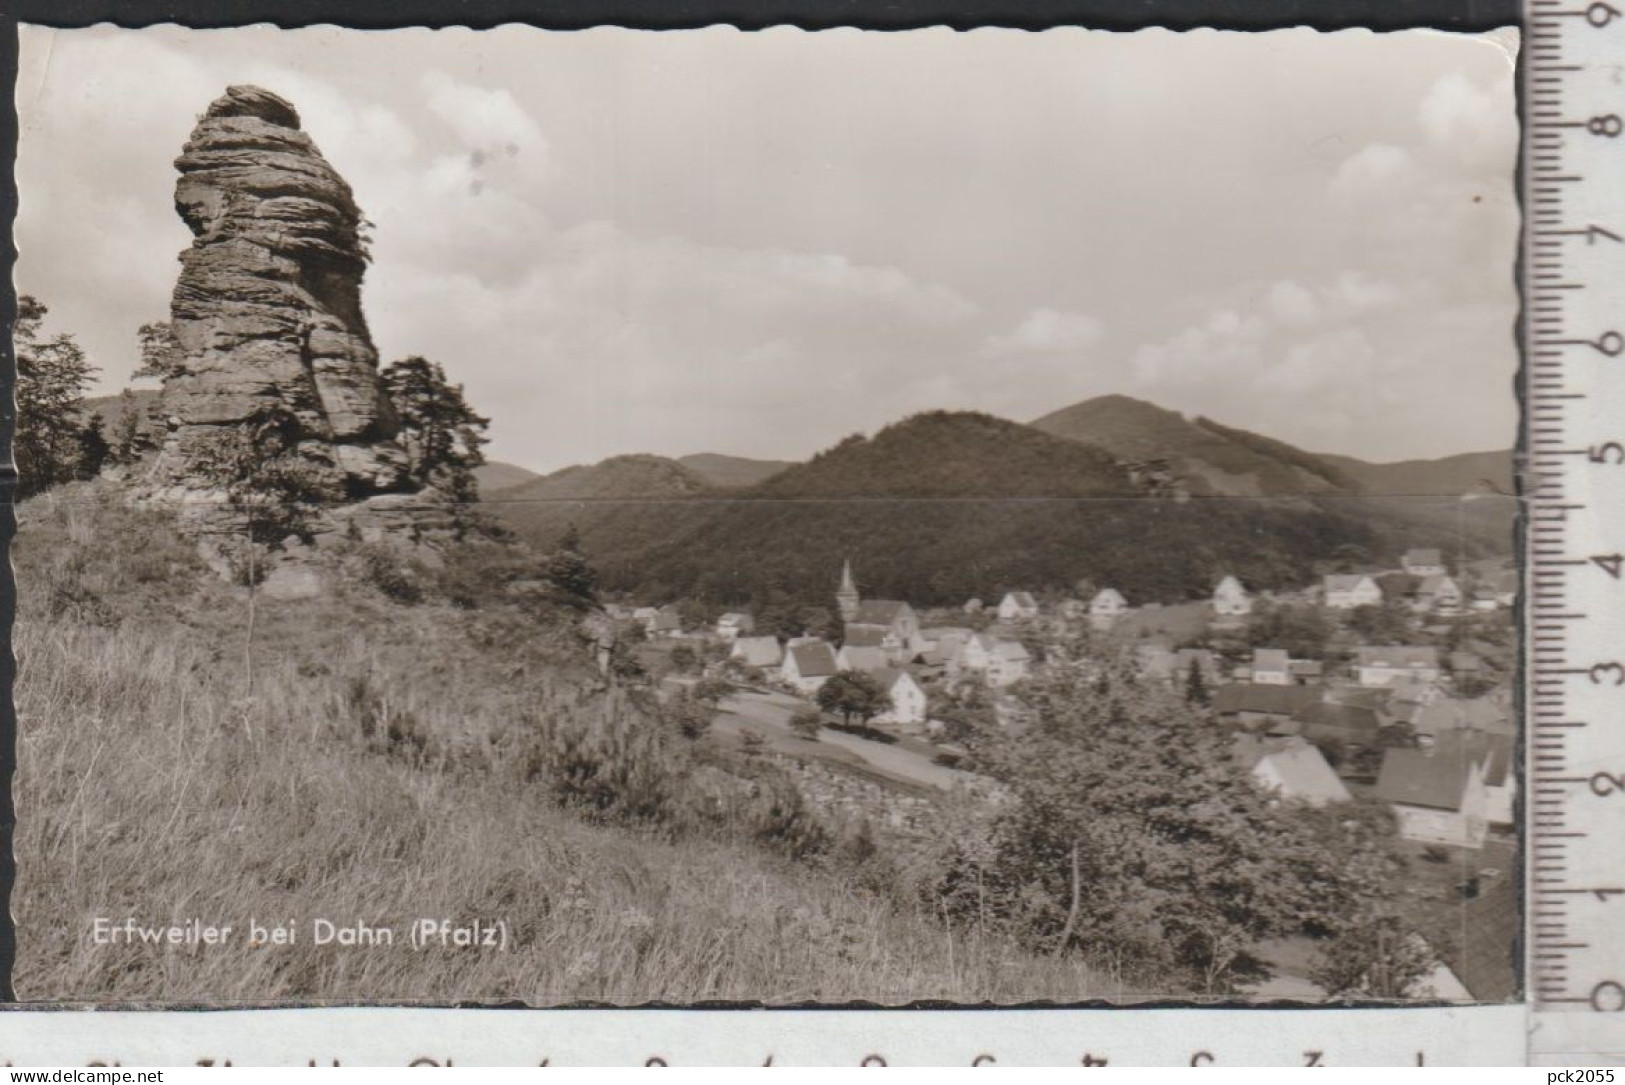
1271	667
1291	769
1106	607
1017	606
907	697
1438	795
1345	592
1383	666
762	652
1425	561
808	666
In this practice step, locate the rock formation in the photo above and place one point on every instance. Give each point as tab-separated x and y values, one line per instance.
267	311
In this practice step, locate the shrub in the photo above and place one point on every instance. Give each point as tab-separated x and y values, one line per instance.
395	576
807	724
603	766
783	822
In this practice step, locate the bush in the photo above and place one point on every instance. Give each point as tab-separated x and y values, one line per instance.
604	766
807	724
396	577
783	822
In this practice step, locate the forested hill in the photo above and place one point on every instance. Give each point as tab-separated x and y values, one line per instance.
619	478
953	454
1450	476
1209	458
945	506
732	472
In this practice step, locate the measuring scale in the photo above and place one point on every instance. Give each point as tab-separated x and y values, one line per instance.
1574	481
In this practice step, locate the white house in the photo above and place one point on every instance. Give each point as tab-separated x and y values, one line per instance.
733	625
809	666
761	652
1017	605
1106	607
1437	795
1230	599
907	697
1345	592
1387	665
1271	667
1424	561
1298	770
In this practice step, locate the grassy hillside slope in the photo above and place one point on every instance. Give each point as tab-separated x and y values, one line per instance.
362	759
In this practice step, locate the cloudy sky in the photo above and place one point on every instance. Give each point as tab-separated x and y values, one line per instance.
626	241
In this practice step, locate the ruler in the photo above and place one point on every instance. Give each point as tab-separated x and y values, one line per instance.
1574	483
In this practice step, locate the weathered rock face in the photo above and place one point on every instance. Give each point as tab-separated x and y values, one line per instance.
267	311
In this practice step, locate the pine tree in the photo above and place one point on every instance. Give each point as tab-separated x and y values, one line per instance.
569	571
93	449
442	433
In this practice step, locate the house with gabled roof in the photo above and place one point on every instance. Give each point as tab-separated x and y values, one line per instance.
1292	769
1017	605
1438	795
666	622
808	666
1384	665
1327	723
1252	705
763	652
907	697
1347	591
1271	667
1106	607
1422	561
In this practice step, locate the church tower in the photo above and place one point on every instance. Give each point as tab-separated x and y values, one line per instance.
846	596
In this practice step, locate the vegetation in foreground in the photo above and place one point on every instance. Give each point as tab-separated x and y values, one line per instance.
383	762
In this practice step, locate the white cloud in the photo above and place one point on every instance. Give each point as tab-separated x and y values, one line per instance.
1045	331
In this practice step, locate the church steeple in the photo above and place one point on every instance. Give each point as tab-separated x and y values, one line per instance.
846	596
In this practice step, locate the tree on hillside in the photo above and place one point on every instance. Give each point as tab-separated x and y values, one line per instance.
853	694
568	570
1132	834
442	434
93	448
52	377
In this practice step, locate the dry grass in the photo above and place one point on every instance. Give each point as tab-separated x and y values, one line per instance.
153	783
